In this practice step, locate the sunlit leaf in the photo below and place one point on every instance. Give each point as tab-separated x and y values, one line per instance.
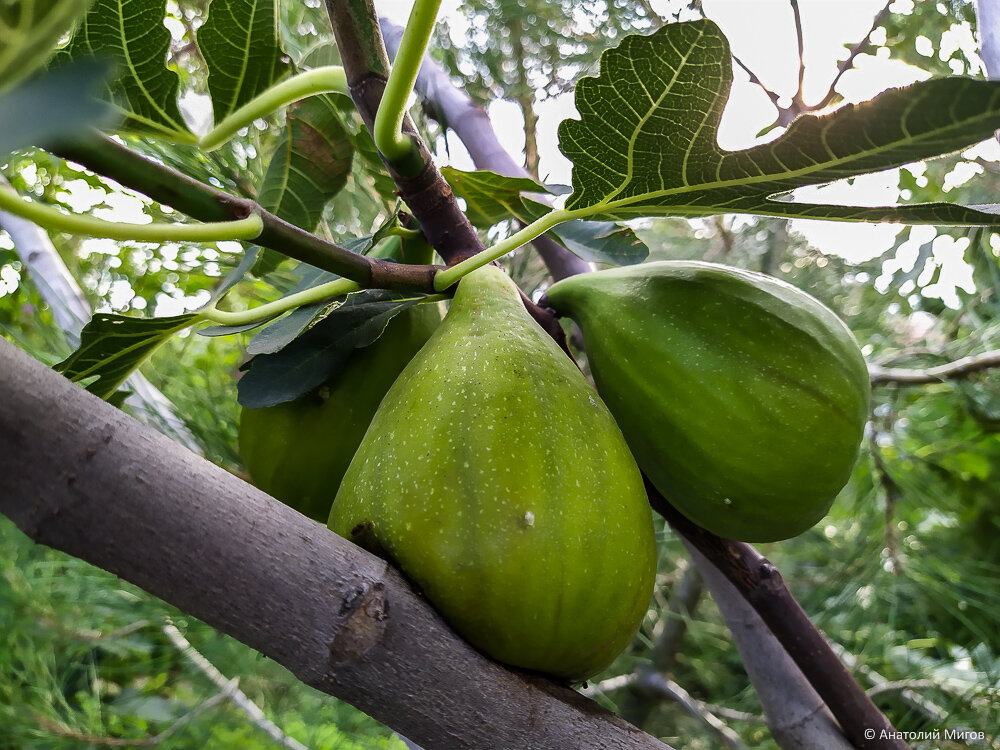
131	34
491	198
646	141
29	31
239	41
309	167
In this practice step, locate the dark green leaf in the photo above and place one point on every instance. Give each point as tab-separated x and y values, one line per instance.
311	164
212	331
239	41
280	334
317	355
646	143
601	242
112	346
53	105
132	35
29	32
489	197
251	254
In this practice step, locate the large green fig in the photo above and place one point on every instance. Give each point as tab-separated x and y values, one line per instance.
298	451
497	480
742	398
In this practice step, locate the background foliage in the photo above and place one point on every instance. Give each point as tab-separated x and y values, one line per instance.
902	573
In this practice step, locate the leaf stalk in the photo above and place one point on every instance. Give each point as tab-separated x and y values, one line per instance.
51	218
329	290
326	80
387	131
445	278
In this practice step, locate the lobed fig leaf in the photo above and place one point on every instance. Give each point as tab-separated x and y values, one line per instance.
742	398
497	480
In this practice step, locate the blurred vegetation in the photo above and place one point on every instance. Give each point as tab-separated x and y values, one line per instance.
902	573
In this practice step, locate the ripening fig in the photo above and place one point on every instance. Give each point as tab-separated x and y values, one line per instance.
497	480
742	398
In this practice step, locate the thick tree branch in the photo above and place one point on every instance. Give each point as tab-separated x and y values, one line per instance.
761	585
165	185
123	497
794	711
950	371
426	193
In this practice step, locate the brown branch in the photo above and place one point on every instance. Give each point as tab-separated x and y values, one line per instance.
761	585
475	129
426	193
203	202
950	371
121	496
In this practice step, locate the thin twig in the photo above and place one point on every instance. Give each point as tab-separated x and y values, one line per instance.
957	369
929	708
797	101
848	63
892	495
761	584
230	690
658	684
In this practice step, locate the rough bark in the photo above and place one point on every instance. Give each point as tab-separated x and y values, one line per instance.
121	496
102	155
426	193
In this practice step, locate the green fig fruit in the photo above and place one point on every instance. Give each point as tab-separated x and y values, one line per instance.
497	480
298	451
742	398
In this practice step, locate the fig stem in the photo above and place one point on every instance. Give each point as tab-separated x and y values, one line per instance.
51	218
330	79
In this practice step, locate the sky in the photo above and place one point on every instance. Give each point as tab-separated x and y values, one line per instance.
762	35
